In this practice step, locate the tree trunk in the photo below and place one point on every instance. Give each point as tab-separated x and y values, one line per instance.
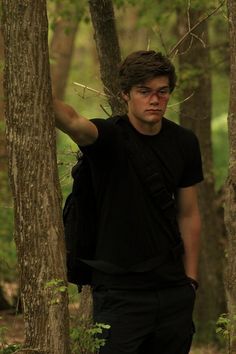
103	19
195	114
34	179
128	29
230	200
86	304
108	50
61	49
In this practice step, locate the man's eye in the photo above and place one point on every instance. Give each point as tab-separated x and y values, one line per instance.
164	91
144	92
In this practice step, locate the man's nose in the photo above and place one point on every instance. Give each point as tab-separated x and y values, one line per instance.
154	99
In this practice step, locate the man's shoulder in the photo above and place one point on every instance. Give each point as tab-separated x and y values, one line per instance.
110	119
178	130
106	124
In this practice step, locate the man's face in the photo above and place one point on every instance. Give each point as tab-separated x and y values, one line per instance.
147	104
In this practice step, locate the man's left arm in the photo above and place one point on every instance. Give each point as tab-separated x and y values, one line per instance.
190	227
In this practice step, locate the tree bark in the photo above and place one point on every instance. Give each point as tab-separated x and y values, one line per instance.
230	187
34	179
103	19
195	114
61	49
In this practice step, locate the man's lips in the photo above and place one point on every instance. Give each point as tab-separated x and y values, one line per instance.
154	110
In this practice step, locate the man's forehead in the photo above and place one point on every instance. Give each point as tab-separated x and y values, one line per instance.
160	81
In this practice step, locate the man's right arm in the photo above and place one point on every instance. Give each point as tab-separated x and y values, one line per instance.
79	128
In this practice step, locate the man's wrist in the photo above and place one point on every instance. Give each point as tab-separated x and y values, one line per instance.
194	283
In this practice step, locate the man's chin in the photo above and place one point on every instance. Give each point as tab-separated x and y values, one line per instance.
154	116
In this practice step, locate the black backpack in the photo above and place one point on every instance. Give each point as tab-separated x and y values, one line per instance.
79	217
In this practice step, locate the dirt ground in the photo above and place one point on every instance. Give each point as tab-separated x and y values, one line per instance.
14	333
13	327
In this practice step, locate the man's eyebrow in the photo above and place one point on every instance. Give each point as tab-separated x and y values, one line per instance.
143	87
149	88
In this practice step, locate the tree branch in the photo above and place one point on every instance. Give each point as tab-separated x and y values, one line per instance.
174	50
179	102
158	33
99	93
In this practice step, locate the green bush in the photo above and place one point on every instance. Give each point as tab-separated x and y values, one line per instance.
85	337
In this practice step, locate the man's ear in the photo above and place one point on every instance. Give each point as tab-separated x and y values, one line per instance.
125	96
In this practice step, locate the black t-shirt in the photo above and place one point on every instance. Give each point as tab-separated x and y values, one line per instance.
130	236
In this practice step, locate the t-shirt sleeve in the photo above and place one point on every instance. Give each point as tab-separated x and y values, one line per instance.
193	172
105	140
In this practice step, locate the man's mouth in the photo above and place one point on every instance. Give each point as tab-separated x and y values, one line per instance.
154	110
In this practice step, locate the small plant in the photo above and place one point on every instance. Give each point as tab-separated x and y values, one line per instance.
9	349
56	288
4	347
3	330
86	337
225	326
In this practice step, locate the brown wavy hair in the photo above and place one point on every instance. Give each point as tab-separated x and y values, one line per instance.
141	66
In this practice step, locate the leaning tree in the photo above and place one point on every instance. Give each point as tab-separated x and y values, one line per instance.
230	187
33	175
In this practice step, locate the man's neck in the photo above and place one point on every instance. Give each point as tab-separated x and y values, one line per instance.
145	128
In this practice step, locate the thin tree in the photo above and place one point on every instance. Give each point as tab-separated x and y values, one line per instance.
230	187
195	114
62	44
108	49
34	179
103	19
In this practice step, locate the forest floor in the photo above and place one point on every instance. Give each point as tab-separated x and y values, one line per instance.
11	327
14	331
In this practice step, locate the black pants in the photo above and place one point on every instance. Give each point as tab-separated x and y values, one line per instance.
145	321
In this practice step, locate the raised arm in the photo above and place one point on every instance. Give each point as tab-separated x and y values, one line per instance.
190	227
79	128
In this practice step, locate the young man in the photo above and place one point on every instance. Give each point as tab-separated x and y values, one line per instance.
143	289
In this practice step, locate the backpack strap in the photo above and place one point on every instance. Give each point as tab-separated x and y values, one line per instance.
148	168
